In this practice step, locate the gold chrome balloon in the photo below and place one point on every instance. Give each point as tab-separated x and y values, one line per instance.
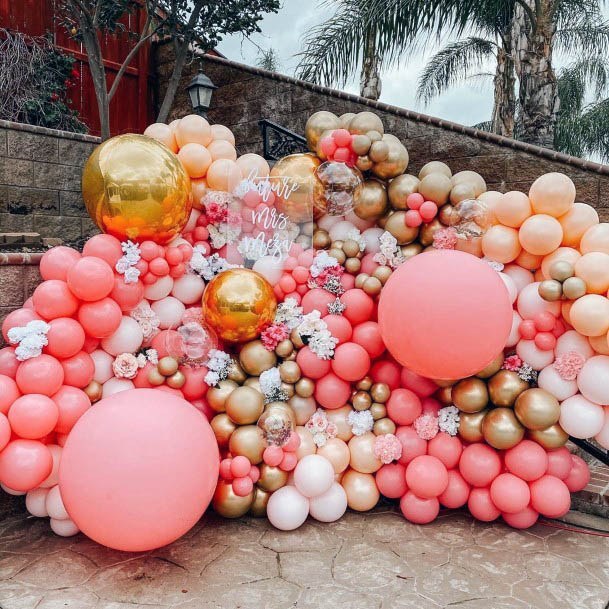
318	123
550	290
217	395
552	437
396	225
537	409
370	200
222	427
261	499
504	387
383	426
255	358
491	368
400	188
363	122
396	161
135	188
247	440
244	405
293	179
427	231
470	426
229	505
501	428
94	391
238	304
470	395
272	478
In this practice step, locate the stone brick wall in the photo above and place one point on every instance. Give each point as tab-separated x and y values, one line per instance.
40	171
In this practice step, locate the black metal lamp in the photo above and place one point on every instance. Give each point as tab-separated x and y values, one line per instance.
200	90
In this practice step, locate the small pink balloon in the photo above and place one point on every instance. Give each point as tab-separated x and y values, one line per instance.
127	338
106	247
90	279
481	505
457	491
391	480
412	444
311	365
65	337
329	506
509	493
403	406
579	476
287	509
56	262
527	460
426	476
53	298
332	392
100	319
359	306
43	374
368	335
78	370
446	448
24	464
317	299
72	403
351	362
521	520
419	510
479	464
9	392
550	496
33	416
243	486
559	463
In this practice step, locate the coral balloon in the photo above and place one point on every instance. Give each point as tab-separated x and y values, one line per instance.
481	505
419	510
351	362
72	403
426	476
100	319
579	476
56	262
90	279
550	497
457	491
53	299
24	464
33	416
527	460
78	370
391	480
65	337
479	464
42	374
509	493
9	392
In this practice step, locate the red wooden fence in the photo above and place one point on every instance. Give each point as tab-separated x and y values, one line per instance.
131	108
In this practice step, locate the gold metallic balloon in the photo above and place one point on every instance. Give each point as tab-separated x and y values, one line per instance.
400	188
537	409
470	426
384	426
321	239
448	215
427	231
461	192
396	161
550	290
501	428
364	384
94	391
362	492
372	286
217	396
410	250
305	387
223	428
247	440
378	411
289	372
396	225
255	358
491	368
168	365
380	392
236	372
552	437
504	387
229	505
345	119
361	144
244	405
370	200
318	123
364	163
288	389
444	395
261	499
574	287
470	395
435	167
303	407
561	270
361	400
135	188
177	380
382	273
272	478
366	121
238	304
294	178
254	383
379	151
284	348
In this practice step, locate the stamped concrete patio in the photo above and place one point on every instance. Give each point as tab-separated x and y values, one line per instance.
367	561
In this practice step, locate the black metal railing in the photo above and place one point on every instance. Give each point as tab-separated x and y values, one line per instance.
592	449
278	141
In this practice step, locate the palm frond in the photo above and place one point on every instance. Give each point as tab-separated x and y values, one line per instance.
575	80
452	64
583	37
568	11
484	126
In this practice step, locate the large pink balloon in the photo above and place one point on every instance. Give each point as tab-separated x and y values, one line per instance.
138	469
445	314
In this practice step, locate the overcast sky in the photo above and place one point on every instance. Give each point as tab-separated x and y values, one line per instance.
467	104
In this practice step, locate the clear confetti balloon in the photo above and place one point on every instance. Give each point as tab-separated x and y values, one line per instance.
333	194
471	219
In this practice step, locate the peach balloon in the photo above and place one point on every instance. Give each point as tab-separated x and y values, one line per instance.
528	261
252	165
193	129
565	311
491	198
164	134
220	132
566	254
221	149
593	268
590	315
500	243
363	458
553	194
195	159
362	492
595	239
600	343
224	175
540	234
576	222
340	417
199	189
307	444
513	208
337	452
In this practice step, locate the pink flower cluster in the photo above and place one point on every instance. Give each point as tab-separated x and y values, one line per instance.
125	366
273	335
445	239
387	448
569	365
321	429
426	426
512	363
216	212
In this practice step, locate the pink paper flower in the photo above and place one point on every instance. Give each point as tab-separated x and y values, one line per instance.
426	426
216	212
192	314
273	335
445	238
513	363
569	364
125	366
387	448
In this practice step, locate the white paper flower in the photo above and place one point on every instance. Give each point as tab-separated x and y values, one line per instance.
218	363
31	339
361	421
289	313
448	420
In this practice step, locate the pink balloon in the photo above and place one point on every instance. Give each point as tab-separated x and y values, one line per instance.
422	386
412	444
124	452
72	403
106	247
527	460
8	362
530	303
559	463
426	476
550	496
127	295
24	464
42	374
330	506
351	362
403	406
90	279
195	387
509	493
317	299
9	392
580	417
481	506
16	319
579	476
33	416
386	371
5	431
446	448
368	335
339	327
521	520
287	509
479	464
53	298
419	510
312	366
100	319
359	306
332	392
55	263
66	337
78	370
439	337
457	491
391	480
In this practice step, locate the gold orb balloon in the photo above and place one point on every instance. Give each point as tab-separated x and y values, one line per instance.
552	437
135	189
501	428
223	428
396	225
244	405
363	122
247	440
504	387
470	395
238	304
318	123
261	499
491	368
400	188
470	426
396	161
255	358
272	478
229	505
370	200
537	409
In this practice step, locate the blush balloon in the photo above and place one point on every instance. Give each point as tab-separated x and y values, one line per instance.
426	476
56	262
72	403
457	491
24	464
43	374
102	362
351	362
403	406
287	509
509	493
78	370
100	319
90	279
33	416
106	247
527	460
419	510
446	448
332	392
312	366
54	299
65	337
479	464
127	338
391	480
329	506
481	505
550	496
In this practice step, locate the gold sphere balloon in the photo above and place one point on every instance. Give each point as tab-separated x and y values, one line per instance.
303	407
236	372
561	270
223	428
380	392
435	167
168	366
427	231
396	161
552	437
470	395
255	358
294	179
396	225
217	396
318	123
364	163
285	348
361	400
244	405
501	428
491	368
370	200
504	387
261	499
461	192
345	119
537	409
400	188
289	372
364	384
574	288
384	426
363	122
229	505
305	387
378	411
444	395
135	188
94	391
177	380
550	290
272	478
362	492
410	250
470	426
247	440
238	304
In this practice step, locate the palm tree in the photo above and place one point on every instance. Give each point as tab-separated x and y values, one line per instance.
268	59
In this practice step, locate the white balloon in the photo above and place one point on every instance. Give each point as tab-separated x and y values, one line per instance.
581	418
573	341
115	385
170	311
372	238
270	267
188	289
593	379
64	528
530	303
287	509
520	276
602	437
327	222
511	286
127	338
54	504
35	502
313	475
340	230
53	477
331	505
551	381
160	289
103	366
192	221
514	336
535	357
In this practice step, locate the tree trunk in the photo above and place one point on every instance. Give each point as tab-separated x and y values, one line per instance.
181	53
538	92
504	106
370	78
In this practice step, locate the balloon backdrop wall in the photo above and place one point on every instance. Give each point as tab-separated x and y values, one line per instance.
294	341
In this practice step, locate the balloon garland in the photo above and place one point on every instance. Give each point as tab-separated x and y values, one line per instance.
290	342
